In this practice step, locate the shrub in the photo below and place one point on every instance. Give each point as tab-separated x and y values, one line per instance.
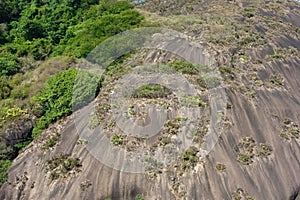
5	88
193	100
61	165
189	158
245	159
6	154
152	164
276	79
4	165
8	64
151	91
265	150
220	167
117	140
139	197
66	91
184	67
51	142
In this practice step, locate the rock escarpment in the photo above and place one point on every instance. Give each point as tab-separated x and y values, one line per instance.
257	154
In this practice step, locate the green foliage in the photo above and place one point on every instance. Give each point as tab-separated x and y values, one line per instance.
102	21
193	100
35	30
21	145
208	82
10	9
189	158
67	90
111	123
61	165
248	13
276	80
265	150
71	163
152	164
185	67
220	167
8	64
151	91
117	140
6	154
73	28
51	142
95	121
5	87
9	114
4	165
139	197
240	194
290	130
245	159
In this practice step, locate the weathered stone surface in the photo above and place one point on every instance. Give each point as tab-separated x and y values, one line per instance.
260	116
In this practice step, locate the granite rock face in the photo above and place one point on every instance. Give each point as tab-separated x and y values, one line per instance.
258	152
18	131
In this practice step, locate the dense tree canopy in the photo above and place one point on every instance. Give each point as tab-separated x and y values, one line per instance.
50	28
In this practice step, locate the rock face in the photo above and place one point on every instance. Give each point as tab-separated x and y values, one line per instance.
18	131
257	154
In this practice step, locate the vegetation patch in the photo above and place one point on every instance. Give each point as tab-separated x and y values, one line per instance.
6	153
220	167
51	142
192	101
189	158
152	165
249	150
240	194
151	91
227	72
265	150
276	80
246	159
66	91
139	197
62	166
117	140
85	185
185	67
289	130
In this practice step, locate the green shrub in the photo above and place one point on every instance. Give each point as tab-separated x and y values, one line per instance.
4	166
21	145
265	150
66	91
185	67
61	165
5	87
139	197
70	28
245	159
6	154
189	158
51	142
220	167
276	80
83	37
117	140
152	164
151	91
8	64
193	100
